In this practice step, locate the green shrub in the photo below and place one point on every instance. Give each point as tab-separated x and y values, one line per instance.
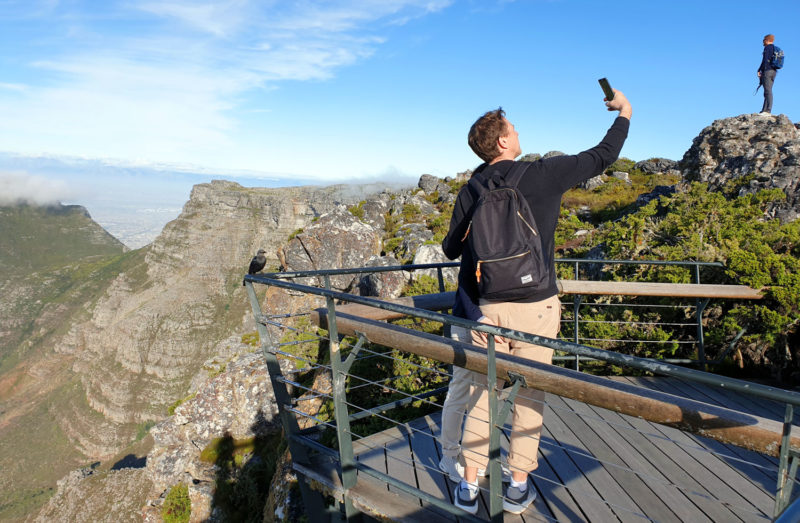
177	505
357	210
143	428
251	338
178	403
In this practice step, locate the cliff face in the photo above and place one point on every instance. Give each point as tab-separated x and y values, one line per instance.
159	321
136	344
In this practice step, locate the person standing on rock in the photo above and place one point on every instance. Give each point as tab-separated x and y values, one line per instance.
767	73
544	182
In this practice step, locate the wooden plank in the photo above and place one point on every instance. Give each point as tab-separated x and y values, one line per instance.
663	464
764	407
631	457
561	456
745	499
760	469
739	428
438	301
426	464
621	462
399	463
671	290
554	500
444	300
372	454
619	500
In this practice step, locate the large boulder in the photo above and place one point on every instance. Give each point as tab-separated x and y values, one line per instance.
388	284
433	253
428	183
657	166
763	145
338	240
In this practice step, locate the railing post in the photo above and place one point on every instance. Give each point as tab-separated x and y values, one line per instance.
576	301
312	499
700	306
495	476
440	275
701	348
787	470
343	434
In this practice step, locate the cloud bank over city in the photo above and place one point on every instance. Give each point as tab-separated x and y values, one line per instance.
21	187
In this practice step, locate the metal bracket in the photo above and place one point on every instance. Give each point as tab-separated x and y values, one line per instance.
362	338
514	377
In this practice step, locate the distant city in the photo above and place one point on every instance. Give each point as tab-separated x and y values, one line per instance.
134	227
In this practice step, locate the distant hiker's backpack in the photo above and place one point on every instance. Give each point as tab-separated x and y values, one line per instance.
504	240
777	58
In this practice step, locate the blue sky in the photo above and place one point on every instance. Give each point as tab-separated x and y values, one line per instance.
310	91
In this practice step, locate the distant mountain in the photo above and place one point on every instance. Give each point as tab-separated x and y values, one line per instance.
55	262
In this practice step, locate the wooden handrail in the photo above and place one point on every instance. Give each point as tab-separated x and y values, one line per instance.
748	431
444	300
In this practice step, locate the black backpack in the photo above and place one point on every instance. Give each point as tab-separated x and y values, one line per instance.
503	238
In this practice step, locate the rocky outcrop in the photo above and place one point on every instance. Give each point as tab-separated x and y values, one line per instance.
763	146
338	240
90	496
239	403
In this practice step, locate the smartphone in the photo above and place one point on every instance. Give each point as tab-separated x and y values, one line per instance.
606	89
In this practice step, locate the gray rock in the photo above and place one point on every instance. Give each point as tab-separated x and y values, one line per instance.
337	240
593	183
374	211
551	154
432	253
530	157
428	183
383	284
414	235
620	175
658	192
657	166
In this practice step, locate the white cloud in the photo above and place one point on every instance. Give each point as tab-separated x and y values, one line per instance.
19	187
168	88
14	87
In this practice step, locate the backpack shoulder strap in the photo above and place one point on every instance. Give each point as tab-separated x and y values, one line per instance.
515	175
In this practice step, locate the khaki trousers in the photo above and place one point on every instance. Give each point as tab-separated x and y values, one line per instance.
541	318
456	402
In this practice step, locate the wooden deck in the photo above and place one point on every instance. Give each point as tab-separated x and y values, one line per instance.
595	465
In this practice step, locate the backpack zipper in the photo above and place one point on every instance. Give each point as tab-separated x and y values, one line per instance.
528	224
478	265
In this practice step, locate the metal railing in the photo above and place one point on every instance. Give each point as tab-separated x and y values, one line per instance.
342	361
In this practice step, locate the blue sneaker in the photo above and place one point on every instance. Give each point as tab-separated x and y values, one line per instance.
516	501
466	497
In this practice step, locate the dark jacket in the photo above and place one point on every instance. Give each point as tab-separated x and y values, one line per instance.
766	59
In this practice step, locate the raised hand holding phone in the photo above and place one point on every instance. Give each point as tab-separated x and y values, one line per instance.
615	100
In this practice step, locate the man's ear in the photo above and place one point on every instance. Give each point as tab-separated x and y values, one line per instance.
502	143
